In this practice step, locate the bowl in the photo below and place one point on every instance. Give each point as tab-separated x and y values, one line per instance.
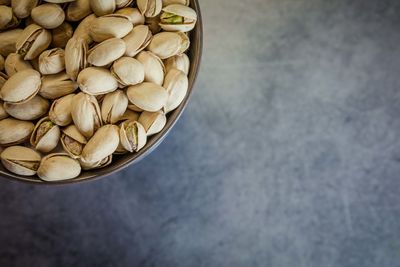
123	161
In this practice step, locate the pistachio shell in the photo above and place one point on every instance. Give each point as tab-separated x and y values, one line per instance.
20	160
58	167
154	69
102	7
45	136
75	56
23	8
83	29
120	150
106	52
78	10
128	71
21	87
137	40
57	85
60	110
96	165
153	122
133	14
129	115
180	62
3	113
176	83
103	143
8	41
123	3
147	96
7	18
132	135
86	114
96	81
2	63
178	18
15	63
61	35
49	16
33	41
153	24
114	106
52	61
28	111
73	141
14	131
104	28
171	2
134	108
149	8
169	44
3	79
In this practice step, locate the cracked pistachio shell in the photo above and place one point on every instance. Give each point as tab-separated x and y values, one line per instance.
153	24
104	28
171	2
128	71
178	18
60	110
180	62
13	131
2	62
8	41
75	57
7	18
132	135
23	8
154	69
15	63
49	16
102	7
57	85
114	106
130	115
52	61
45	136
33	41
28	111
3	113
61	35
133	14
96	165
137	40
96	81
106	52
123	3
21	87
149	8
78	10
176	83
83	29
86	114
153	122
169	44
148	96
20	160
58	167
73	141
103	144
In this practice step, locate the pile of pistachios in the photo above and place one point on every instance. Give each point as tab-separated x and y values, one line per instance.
83	80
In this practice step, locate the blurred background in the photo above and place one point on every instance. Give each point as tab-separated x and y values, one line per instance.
287	155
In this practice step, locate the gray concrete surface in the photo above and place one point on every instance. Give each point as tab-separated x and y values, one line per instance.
288	155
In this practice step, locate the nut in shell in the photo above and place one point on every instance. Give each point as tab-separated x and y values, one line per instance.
78	10
176	83
52	61
8	41
58	167
96	165
154	69
21	87
133	136
97	81
147	96
7	19
83	29
107	27
133	15
169	44
33	41
178	18
20	160
28	111
13	131
86	114
128	71
149	8
106	52
180	62
73	141
61	35
45	136
23	8
153	122
102	7
15	63
75	56
114	106
49	16
60	110
57	85
137	40
123	3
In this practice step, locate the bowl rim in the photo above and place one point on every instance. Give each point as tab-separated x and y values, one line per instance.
196	52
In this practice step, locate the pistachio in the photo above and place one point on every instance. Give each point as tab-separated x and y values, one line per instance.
3	79
176	83
102	7
1	63
180	62
149	8
23	8
61	35
86	114
103	143
45	136
106	52
153	122
75	56
28	111
128	71
154	69
78	10
123	3
120	150
49	16
171	2
8	41
178	18
169	44
52	61
57	85
134	108
129	115
33	41
58	167
20	160
7	18
73	141
133	15
132	135
114	106
83	29
96	165
15	63
21	87
13	132
3	113
147	96
96	81
60	110
137	40
104	28
153	24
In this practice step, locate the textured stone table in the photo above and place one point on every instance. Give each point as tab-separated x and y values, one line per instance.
288	155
